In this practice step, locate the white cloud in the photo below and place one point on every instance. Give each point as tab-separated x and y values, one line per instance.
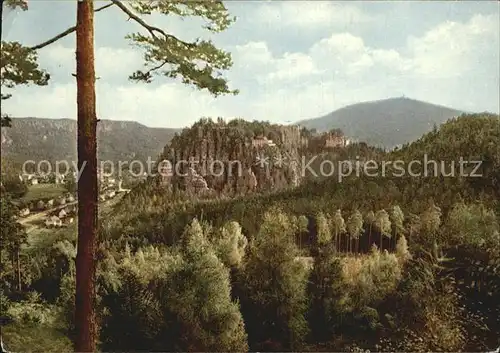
307	14
158	105
454	64
453	47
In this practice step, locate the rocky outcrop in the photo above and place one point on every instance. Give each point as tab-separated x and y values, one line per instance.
224	157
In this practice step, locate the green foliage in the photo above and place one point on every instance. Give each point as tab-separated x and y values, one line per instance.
181	301
472	225
197	63
273	286
383	223
402	251
33	311
354	227
12	238
303	222
169	282
35	338
326	295
230	244
18	67
338	223
323	229
427	315
397	219
11	184
370	279
355	224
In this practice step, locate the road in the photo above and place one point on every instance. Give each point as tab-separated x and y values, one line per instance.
36	217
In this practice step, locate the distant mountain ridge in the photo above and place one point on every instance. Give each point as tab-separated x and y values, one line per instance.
386	123
55	139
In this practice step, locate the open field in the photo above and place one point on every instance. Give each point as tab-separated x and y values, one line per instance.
43	192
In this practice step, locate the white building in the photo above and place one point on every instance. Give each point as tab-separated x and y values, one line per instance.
53	221
62	214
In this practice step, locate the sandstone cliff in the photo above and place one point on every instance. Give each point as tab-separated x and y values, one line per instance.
238	157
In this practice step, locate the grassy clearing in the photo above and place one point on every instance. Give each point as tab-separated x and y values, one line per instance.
43	192
34	338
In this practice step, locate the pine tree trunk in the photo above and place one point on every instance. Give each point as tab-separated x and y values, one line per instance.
85	322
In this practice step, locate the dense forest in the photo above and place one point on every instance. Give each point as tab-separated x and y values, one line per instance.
379	263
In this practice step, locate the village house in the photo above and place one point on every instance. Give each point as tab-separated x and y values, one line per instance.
40	205
62	214
24	212
50	203
53	221
70	198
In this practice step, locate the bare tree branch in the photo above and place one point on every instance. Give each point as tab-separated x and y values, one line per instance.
151	29
159	66
66	32
54	39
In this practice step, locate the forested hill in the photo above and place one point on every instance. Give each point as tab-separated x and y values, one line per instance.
472	137
55	139
455	216
387	123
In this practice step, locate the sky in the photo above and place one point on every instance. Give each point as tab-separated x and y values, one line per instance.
293	60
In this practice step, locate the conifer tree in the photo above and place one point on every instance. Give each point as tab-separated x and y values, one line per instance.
274	285
370	221
338	226
383	224
323	229
326	288
430	223
354	228
397	219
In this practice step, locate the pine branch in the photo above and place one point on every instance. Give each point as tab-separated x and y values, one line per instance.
151	29
66	32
